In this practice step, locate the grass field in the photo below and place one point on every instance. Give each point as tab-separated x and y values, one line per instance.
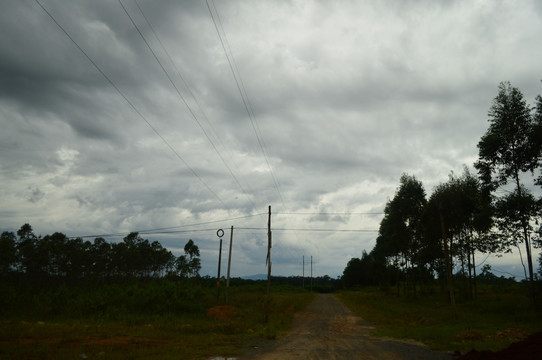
174	320
210	329
495	319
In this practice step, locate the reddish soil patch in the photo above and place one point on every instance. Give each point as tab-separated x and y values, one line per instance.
528	349
223	312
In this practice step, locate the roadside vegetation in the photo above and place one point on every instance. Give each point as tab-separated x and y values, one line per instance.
500	316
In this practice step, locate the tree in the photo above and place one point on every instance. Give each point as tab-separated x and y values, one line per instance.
457	217
31	260
507	150
399	229
511	210
189	264
364	271
537	133
101	253
8	252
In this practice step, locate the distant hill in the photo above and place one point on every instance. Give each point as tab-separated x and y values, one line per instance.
255	277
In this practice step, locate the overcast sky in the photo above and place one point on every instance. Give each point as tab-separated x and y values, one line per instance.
99	135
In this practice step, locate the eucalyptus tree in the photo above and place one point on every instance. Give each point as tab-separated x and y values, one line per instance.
537	133
507	151
458	218
399	229
189	264
511	211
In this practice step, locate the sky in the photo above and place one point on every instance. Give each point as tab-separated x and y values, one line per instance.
179	118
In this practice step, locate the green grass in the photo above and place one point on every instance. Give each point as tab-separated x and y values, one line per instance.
199	333
491	322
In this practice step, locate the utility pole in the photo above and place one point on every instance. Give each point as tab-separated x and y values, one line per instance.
268	260
229	265
219	233
303	271
311	273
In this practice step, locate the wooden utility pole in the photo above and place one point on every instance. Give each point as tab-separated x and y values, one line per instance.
268	260
303	271
311	272
229	265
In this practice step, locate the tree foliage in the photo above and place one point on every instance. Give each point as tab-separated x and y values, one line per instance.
467	214
511	147
57	255
189	264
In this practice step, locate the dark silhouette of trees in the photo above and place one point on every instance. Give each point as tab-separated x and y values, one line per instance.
510	148
361	272
506	151
456	221
189	264
57	256
399	240
537	134
423	239
8	252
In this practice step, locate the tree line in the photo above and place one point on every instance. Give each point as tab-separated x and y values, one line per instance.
493	211
57	255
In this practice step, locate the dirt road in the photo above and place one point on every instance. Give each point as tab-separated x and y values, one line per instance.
326	329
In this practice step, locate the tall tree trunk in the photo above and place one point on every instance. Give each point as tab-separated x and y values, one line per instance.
449	279
474	275
469	265
525	226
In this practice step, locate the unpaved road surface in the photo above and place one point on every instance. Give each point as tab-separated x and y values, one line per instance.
326	329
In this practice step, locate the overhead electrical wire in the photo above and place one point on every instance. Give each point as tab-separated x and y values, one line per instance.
186	103
329	213
242	91
178	73
249	109
158	230
315	230
117	89
245	99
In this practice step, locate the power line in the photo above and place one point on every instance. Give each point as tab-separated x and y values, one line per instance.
178	73
242	91
158	230
165	231
329	213
245	99
185	102
312	230
130	103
